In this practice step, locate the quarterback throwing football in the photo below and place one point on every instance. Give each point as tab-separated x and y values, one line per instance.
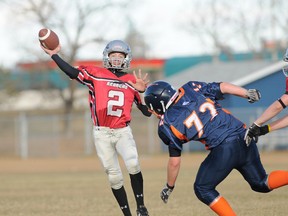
111	95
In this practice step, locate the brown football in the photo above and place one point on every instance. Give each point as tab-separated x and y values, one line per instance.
48	38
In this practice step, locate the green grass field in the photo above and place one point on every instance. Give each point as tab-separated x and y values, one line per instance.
79	187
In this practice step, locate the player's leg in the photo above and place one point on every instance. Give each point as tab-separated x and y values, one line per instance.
126	147
213	170
121	197
255	174
107	154
208	177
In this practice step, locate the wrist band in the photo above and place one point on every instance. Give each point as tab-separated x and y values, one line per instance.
281	102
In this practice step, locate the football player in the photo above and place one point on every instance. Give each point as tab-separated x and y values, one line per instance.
193	113
111	95
257	128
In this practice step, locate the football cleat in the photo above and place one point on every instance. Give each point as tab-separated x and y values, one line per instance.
142	211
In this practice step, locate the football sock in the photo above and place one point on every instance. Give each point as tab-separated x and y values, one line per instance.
221	207
277	179
137	186
121	197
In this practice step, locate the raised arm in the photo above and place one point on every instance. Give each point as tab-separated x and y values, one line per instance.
63	65
252	95
273	110
278	124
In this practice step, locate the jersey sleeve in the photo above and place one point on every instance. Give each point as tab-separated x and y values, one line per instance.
143	108
168	137
84	76
65	67
137	99
211	90
174	150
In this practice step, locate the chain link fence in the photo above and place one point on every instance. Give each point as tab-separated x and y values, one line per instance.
27	135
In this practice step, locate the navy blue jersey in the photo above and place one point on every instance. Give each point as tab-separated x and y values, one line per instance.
196	115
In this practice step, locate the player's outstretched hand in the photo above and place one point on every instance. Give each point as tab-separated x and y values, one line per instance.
141	82
253	95
165	193
51	52
254	131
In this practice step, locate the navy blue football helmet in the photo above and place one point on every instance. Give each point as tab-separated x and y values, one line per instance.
159	95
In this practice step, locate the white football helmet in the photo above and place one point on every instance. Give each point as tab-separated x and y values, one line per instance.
117	46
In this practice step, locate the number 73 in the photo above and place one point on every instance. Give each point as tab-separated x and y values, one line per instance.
194	120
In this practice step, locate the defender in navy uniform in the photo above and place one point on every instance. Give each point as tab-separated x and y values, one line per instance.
193	113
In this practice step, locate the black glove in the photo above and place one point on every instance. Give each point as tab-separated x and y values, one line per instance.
165	193
254	131
253	95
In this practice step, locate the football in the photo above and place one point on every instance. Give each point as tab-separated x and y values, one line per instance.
48	38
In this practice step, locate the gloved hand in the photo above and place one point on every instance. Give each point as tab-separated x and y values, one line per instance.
253	95
165	193
254	131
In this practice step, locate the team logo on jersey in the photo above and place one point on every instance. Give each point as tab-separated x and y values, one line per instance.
117	85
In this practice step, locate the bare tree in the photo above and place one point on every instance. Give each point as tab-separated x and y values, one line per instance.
280	16
267	30
228	25
209	23
278	25
136	40
251	29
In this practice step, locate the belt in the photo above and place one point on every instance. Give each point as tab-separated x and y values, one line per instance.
102	128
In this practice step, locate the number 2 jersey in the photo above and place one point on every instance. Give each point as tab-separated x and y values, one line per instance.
196	115
110	97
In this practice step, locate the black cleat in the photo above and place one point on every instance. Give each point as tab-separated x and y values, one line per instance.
142	211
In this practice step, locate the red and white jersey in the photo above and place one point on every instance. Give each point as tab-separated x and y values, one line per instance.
110	97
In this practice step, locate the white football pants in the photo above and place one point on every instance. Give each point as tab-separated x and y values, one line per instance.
111	142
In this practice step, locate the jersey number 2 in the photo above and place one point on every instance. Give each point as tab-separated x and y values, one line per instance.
117	99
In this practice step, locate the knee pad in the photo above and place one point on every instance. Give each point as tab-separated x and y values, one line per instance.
205	195
133	166
115	180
